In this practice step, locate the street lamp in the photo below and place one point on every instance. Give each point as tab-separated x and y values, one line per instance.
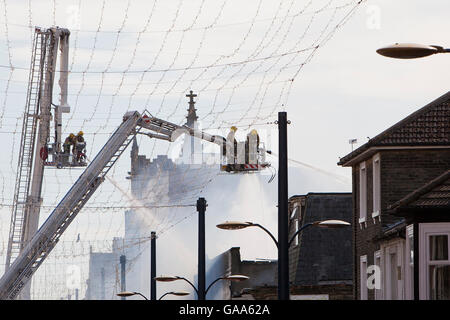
233	277
410	50
237	225
175	293
124	294
283	284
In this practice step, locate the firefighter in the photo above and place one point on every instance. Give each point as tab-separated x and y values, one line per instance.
79	145
70	141
231	150
251	147
79	137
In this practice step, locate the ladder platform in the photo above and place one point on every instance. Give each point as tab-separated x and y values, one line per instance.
243	167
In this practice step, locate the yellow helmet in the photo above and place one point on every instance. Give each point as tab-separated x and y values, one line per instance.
234	128
80	133
254	132
71	135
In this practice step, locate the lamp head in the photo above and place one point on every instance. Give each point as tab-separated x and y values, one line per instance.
409	50
179	293
234	225
236	277
332	224
125	294
166	278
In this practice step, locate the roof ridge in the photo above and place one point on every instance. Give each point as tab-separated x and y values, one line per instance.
413	116
384	134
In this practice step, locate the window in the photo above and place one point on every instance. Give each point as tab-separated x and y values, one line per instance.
362	192
434	257
363	278
439	268
409	263
377	259
376	187
296	229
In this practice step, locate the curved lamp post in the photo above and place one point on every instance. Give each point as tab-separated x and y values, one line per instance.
410	50
283	284
234	277
129	294
236	225
175	293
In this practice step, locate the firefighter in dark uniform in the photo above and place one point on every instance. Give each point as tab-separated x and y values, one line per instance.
79	144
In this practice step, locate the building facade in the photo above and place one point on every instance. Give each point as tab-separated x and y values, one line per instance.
388	168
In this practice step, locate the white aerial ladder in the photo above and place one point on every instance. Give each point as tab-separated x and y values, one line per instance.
36	135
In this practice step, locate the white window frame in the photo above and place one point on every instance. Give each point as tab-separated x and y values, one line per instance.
376	186
363	290
362	194
425	231
296	225
409	266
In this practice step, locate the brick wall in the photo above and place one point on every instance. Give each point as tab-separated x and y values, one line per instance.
362	241
402	172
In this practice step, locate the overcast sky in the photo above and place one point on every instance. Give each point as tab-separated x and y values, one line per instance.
349	91
346	91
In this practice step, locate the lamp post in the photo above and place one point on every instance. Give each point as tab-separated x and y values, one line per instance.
123	261
410	50
237	225
153	266
235	277
201	208
283	230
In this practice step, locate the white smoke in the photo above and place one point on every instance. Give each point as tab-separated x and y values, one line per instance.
239	197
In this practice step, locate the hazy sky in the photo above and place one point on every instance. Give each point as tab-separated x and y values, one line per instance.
346	91
349	91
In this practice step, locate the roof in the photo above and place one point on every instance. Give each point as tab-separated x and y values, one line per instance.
428	126
324	254
394	230
433	195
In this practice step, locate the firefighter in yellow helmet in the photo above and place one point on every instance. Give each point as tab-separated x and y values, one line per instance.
231	147
252	147
70	141
78	140
80	137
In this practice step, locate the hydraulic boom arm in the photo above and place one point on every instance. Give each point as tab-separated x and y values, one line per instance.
45	239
